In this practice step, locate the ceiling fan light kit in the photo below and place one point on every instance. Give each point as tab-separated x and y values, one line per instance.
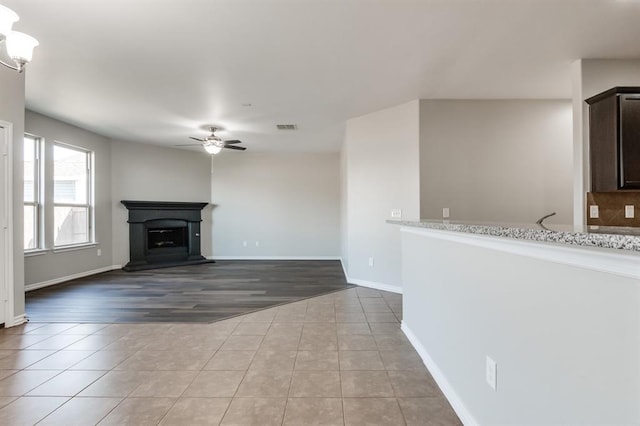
19	45
212	148
213	144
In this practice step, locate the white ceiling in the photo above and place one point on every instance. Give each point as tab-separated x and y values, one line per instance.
156	71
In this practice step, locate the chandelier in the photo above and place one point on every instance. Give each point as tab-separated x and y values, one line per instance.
19	46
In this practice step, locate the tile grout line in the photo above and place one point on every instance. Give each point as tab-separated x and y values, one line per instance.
389	377
286	403
73	396
344	421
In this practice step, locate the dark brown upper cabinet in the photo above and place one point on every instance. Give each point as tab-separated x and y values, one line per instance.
614	139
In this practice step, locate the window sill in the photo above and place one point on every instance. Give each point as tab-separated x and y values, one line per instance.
74	247
36	252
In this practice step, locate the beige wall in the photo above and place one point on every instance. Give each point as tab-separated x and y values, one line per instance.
497	161
382	173
152	173
12	111
288	203
51	265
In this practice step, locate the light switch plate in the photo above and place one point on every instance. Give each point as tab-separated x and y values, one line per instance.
629	212
396	213
445	213
594	212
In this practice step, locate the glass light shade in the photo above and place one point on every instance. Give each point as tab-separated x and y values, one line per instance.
7	18
212	149
20	46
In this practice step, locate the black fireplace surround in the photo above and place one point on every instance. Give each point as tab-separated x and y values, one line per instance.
163	234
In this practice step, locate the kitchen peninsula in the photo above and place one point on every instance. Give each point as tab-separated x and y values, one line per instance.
556	308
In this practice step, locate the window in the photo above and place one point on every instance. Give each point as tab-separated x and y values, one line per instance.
32	193
72	195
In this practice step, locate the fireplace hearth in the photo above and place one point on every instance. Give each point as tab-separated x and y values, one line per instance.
163	234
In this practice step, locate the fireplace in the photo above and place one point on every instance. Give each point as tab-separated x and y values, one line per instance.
163	234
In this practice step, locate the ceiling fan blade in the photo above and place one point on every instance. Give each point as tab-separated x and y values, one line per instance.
196	139
239	148
190	144
232	141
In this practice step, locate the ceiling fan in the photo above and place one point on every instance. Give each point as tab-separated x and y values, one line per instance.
213	144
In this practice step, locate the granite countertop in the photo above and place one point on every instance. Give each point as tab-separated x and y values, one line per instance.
611	237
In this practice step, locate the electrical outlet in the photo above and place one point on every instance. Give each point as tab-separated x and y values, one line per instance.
257	243
371	261
244	244
491	373
99	252
396	213
629	212
594	212
445	212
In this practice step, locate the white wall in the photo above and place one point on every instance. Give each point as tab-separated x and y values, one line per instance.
590	77
152	173
52	266
496	160
382	173
289	203
565	338
12	111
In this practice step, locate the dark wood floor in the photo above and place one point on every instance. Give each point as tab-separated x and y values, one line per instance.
197	293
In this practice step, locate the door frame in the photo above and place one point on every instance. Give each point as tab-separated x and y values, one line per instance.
7	283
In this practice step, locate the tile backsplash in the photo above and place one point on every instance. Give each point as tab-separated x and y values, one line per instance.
611	208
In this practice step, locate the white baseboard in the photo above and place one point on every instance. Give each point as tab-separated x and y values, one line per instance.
55	281
20	319
344	269
274	257
370	284
458	406
377	286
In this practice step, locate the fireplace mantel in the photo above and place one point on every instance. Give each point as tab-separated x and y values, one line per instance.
167	216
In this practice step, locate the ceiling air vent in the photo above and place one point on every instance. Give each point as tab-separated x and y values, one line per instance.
286	126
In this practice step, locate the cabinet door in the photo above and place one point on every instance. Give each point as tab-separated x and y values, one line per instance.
629	142
603	144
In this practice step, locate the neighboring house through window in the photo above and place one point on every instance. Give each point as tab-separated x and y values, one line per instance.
72	195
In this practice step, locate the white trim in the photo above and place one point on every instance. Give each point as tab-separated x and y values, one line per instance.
625	264
36	252
9	274
370	284
55	281
344	269
74	247
20	319
449	392
375	285
273	257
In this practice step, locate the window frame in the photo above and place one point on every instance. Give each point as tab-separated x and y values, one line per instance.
90	156
38	192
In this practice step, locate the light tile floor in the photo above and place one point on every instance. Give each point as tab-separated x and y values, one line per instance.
337	359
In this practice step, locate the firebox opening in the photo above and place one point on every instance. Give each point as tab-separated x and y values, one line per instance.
167	237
